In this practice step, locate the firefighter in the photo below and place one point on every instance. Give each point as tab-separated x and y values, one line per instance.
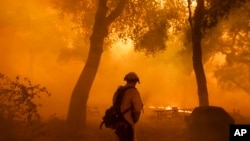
131	99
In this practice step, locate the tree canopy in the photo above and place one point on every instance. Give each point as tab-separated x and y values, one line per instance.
147	23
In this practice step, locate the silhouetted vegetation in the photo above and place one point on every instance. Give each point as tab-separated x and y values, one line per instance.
223	28
19	107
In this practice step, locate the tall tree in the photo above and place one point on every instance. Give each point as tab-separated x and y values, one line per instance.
77	109
206	15
196	27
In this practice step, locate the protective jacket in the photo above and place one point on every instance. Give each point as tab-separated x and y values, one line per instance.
131	99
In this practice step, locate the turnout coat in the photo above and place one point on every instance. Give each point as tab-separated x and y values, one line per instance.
131	99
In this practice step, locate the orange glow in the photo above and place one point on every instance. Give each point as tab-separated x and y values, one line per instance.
120	50
168	108
32	37
162	3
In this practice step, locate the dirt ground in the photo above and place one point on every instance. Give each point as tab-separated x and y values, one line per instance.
152	128
149	128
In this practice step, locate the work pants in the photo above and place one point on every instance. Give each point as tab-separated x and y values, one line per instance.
125	132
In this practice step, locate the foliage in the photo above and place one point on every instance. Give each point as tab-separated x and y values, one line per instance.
216	10
17	99
147	23
232	78
82	13
231	38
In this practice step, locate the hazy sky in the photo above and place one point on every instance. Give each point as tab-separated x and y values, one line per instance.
32	36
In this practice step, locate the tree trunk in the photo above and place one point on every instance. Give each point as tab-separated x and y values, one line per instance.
76	118
197	54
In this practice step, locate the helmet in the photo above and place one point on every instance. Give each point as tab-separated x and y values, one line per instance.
131	76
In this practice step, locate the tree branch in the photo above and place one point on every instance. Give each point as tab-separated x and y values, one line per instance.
118	10
245	89
190	15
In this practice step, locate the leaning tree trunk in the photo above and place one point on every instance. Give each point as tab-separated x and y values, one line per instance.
76	118
197	54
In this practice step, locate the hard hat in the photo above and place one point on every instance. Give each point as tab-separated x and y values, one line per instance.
131	76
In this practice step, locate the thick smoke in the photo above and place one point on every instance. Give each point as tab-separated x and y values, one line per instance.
32	38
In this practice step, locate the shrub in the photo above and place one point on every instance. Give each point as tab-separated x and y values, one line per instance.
18	106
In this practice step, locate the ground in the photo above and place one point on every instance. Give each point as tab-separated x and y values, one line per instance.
149	128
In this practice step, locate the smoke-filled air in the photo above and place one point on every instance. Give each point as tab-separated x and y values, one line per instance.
47	44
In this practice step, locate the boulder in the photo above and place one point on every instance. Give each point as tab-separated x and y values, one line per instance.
209	123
